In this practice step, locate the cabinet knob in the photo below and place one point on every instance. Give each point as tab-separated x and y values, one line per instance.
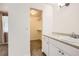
59	51
62	53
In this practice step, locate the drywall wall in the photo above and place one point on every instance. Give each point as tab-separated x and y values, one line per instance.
66	19
3	8
47	19
19	39
36	25
38	6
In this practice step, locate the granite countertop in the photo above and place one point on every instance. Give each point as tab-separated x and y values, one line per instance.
66	40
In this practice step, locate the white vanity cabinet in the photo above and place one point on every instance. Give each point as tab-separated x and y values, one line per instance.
65	48
48	48
53	47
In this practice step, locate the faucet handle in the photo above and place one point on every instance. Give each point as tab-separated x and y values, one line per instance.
73	35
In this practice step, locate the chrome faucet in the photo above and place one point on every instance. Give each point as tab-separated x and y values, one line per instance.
73	35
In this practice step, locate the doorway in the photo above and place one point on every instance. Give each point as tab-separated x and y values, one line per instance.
3	33
35	32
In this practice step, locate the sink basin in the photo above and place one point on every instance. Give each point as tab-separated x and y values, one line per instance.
71	41
67	39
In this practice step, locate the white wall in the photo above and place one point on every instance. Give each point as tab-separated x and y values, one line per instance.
66	19
1	6
47	19
38	6
19	40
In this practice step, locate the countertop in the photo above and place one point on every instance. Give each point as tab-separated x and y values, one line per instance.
66	40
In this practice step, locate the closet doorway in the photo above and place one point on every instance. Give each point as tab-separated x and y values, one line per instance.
35	32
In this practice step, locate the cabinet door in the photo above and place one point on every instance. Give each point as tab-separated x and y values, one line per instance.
45	45
64	53
53	51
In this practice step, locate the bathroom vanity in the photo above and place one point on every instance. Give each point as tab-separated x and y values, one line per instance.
57	45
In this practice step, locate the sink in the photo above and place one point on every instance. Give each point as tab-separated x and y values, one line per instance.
67	39
71	41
